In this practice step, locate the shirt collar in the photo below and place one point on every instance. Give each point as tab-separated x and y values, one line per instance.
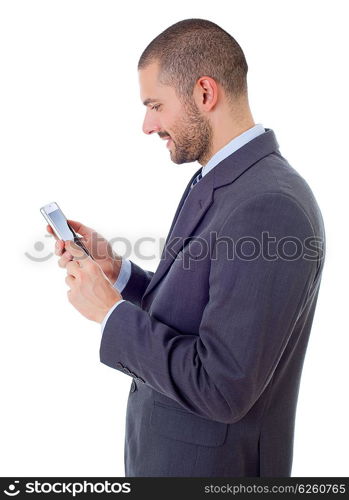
232	146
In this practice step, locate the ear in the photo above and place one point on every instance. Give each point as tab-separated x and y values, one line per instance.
205	93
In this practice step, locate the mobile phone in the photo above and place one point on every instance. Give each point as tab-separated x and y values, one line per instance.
58	221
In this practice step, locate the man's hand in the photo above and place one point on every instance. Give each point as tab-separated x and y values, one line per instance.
91	293
99	248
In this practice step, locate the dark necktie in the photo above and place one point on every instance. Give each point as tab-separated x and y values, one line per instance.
196	180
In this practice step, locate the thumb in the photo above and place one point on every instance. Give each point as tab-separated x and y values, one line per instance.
80	228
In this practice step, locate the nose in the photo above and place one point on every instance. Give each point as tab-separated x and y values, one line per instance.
150	123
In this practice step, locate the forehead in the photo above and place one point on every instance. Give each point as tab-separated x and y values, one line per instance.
150	87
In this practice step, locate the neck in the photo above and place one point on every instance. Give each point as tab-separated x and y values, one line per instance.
227	126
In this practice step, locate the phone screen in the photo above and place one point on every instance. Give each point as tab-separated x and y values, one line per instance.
57	220
61	225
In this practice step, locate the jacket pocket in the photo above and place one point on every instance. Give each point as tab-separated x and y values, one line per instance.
184	426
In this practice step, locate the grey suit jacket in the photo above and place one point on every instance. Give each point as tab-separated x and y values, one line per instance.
215	339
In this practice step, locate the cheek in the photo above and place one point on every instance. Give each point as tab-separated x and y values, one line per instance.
171	123
166	125
171	128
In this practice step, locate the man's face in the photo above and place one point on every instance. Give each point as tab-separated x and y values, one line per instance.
187	131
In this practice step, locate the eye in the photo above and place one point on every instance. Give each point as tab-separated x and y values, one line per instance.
155	107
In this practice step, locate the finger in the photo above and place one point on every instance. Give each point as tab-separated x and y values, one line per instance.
73	268
66	257
80	228
51	231
69	279
59	247
75	250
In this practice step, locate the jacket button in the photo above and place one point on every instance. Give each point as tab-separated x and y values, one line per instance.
133	386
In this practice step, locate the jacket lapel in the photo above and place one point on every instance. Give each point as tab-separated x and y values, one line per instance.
192	208
184	196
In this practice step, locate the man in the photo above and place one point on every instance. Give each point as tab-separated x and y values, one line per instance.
214	339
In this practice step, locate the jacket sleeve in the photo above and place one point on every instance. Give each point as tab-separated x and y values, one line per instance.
254	302
137	284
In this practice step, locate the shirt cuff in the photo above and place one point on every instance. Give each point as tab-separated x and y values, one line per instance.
124	275
109	313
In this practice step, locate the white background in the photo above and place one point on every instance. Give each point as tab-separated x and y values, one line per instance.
70	121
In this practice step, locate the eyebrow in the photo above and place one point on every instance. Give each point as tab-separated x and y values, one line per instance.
149	100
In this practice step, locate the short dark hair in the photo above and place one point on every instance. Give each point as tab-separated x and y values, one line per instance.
193	48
